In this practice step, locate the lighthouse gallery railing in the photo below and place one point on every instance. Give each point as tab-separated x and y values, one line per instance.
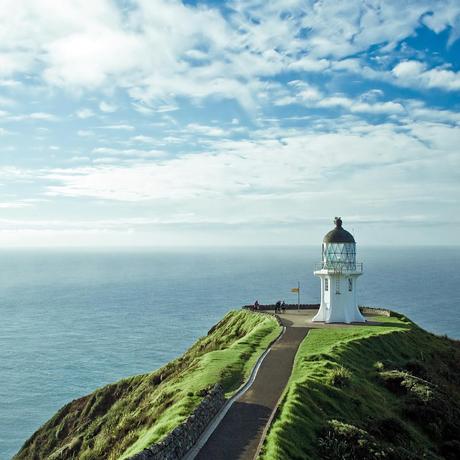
340	267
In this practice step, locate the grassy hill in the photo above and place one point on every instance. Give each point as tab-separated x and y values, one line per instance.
370	392
123	418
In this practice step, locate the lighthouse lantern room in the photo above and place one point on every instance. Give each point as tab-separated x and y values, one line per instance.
338	272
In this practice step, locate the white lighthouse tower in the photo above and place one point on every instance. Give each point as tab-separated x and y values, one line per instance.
339	272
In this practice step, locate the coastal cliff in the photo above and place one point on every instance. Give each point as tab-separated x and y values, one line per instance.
122	419
386	389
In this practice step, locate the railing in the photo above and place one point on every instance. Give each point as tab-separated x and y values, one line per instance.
340	267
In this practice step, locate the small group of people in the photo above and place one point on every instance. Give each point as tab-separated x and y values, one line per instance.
280	307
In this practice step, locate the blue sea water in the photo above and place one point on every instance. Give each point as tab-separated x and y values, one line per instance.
71	321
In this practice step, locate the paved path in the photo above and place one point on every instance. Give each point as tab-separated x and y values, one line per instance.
239	433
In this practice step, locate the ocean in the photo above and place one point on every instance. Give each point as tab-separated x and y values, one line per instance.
72	321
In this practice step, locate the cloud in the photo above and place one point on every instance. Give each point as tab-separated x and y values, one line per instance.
107	108
308	64
415	73
84	113
144	139
133	153
40	116
85	133
368	102
213	131
200	52
245	170
120	127
14	205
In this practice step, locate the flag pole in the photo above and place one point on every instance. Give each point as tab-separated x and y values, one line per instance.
298	295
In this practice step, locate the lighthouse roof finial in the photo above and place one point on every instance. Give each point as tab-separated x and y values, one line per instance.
338	234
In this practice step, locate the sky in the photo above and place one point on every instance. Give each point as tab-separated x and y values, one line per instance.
167	123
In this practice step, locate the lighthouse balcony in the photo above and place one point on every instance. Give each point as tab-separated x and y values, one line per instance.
339	267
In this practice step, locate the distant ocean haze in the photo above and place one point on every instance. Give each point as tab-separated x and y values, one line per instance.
72	321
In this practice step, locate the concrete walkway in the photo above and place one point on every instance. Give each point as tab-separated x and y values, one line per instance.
240	431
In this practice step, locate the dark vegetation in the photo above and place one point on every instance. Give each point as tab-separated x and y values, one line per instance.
123	418
371	392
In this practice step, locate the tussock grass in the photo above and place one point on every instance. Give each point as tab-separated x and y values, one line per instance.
370	392
123	418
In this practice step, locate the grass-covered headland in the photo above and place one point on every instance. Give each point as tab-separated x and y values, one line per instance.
370	392
123	418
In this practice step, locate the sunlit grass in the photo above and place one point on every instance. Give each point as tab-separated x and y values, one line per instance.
359	353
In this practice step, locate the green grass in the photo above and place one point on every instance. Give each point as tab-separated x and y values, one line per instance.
339	402
123	418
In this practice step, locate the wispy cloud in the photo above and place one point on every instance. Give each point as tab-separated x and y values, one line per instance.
211	54
84	113
121	126
107	107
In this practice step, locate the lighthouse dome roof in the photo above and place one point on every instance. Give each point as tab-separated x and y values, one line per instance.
338	234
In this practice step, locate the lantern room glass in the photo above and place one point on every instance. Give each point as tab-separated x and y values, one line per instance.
341	256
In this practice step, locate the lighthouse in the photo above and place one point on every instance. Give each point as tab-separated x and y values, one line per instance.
338	272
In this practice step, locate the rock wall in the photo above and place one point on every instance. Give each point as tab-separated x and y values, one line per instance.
375	311
290	306
183	437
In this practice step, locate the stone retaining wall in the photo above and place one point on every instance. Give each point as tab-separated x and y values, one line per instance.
288	306
183	437
375	311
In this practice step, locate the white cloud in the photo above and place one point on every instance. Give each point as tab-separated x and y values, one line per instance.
84	113
107	108
14	205
415	73
85	133
245	170
419	111
213	131
136	153
121	127
308	64
143	109
39	116
144	139
42	116
365	103
9	83
200	53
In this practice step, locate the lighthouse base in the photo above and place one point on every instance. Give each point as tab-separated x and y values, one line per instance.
338	298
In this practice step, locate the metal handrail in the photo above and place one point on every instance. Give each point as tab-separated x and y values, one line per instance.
340	267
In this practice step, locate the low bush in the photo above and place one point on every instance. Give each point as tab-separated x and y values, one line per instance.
388	429
416	368
340	377
343	441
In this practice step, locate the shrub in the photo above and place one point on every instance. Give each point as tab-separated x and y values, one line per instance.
450	450
388	428
416	368
339	377
393	381
340	440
